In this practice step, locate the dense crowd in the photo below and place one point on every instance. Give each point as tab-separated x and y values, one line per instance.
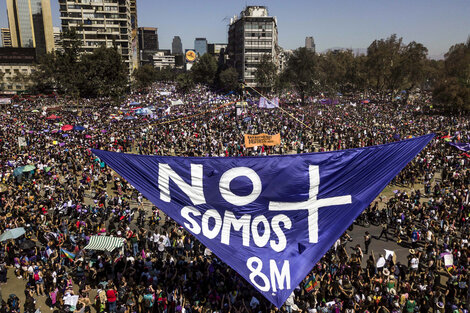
70	195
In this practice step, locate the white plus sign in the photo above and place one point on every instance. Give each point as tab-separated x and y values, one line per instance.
312	204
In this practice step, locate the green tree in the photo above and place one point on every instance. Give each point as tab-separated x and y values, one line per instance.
106	75
144	76
302	72
414	66
69	74
204	69
340	70
452	95
45	74
184	82
266	73
229	79
357	74
457	62
282	82
60	70
99	74
453	90
165	74
434	69
384	59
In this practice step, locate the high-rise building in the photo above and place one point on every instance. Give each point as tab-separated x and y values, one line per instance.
309	43
134	35
57	38
200	46
6	37
148	38
30	23
250	36
176	46
148	43
100	22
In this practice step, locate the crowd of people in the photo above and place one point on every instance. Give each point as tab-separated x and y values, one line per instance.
69	195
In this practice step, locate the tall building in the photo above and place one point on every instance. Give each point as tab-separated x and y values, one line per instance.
284	56
200	46
176	46
57	39
134	35
250	36
16	64
163	60
216	48
148	38
100	22
148	43
30	24
309	43
6	37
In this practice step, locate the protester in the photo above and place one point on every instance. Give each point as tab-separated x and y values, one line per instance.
69	196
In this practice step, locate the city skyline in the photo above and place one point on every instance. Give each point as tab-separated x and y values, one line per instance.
436	24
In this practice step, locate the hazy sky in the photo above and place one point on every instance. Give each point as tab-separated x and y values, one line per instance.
437	24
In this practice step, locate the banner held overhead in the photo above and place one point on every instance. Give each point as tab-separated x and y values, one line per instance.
262	140
269	218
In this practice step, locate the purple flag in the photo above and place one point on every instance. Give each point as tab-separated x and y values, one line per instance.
461	146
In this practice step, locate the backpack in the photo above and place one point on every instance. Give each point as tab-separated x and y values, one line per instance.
13	302
148	300
36	276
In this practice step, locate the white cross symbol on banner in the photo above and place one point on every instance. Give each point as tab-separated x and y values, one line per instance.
312	204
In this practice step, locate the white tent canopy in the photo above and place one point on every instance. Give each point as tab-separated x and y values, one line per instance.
176	102
104	243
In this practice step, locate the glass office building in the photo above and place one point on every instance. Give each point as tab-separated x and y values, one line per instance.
200	45
30	24
176	46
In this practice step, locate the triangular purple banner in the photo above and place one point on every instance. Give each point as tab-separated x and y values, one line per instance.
269	218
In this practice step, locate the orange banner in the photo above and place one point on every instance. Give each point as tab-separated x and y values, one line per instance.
262	140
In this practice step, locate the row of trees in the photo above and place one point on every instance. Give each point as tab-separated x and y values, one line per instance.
389	67
205	71
99	74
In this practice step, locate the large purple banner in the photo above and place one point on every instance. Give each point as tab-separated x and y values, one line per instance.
269	218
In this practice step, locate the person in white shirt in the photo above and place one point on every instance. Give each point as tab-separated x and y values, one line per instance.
414	262
290	305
